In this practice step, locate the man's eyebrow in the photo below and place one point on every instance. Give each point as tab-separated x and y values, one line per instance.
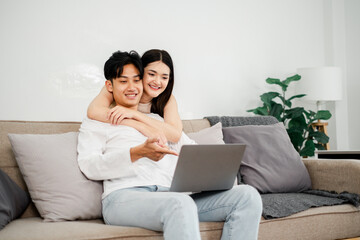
135	76
156	72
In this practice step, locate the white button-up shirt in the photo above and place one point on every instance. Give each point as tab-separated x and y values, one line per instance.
104	154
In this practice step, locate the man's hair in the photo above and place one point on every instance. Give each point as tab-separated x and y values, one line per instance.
113	67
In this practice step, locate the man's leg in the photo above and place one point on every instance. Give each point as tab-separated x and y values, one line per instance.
173	213
240	208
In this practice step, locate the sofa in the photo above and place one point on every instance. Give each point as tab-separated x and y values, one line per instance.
329	222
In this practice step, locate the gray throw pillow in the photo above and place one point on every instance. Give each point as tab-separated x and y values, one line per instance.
270	163
56	185
13	200
211	135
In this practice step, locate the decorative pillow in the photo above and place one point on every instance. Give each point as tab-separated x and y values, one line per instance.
51	172
270	162
13	200
211	135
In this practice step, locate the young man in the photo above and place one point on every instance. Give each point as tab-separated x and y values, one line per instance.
137	173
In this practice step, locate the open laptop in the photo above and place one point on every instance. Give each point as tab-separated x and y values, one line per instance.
207	167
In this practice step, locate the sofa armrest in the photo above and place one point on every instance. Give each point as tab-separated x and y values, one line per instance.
334	175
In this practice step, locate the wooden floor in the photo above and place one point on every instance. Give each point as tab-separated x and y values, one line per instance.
358	238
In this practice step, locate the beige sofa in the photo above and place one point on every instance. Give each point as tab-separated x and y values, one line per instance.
335	222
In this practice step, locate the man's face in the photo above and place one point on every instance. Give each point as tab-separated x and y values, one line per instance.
128	88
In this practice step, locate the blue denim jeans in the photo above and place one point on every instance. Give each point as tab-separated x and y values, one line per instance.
178	214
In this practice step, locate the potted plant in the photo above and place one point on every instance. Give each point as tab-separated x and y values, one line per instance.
297	120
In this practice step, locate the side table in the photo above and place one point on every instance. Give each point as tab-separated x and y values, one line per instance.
338	154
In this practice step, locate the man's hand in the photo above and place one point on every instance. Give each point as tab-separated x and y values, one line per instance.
119	113
150	149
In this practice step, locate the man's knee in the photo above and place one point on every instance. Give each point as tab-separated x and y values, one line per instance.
180	206
251	197
182	202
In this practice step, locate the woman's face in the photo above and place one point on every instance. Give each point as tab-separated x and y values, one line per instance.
155	80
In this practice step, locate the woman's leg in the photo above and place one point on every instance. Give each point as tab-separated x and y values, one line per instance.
147	207
240	208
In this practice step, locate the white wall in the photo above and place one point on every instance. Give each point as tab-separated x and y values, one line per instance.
352	10
52	52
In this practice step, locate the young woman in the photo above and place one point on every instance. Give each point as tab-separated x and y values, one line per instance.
158	82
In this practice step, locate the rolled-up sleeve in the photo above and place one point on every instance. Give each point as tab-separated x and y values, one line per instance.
94	163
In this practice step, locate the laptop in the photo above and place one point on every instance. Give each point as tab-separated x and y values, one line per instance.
207	167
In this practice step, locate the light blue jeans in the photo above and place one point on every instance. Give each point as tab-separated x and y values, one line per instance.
178	214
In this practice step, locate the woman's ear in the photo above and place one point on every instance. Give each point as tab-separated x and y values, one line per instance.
108	85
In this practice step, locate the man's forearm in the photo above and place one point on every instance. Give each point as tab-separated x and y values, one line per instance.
136	153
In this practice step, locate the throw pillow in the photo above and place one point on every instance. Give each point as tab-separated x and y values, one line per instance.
270	163
13	200
51	172
211	135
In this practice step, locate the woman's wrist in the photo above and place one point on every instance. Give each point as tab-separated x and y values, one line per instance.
137	115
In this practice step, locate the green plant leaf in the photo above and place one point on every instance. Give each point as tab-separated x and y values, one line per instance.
319	146
260	111
320	137
285	102
268	97
294	112
296	138
288	80
273	81
308	150
276	111
312	113
310	116
277	82
322	115
298	123
297	96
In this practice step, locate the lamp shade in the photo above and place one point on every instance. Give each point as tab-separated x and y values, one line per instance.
320	83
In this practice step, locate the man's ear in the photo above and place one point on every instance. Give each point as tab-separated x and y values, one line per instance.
109	86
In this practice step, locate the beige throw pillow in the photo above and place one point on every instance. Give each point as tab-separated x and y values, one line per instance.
211	135
49	166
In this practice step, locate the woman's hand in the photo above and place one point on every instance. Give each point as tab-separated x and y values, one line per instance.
119	113
153	133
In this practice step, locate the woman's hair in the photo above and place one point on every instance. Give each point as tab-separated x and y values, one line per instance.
158	104
114	66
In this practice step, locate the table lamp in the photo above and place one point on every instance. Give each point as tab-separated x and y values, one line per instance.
320	84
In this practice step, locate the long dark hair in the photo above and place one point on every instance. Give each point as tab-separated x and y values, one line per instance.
158	104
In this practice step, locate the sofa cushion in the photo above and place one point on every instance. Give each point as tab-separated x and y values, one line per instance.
330	222
56	185
34	228
13	200
211	135
335	222
270	163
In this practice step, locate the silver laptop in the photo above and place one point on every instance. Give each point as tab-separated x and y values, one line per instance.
207	167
